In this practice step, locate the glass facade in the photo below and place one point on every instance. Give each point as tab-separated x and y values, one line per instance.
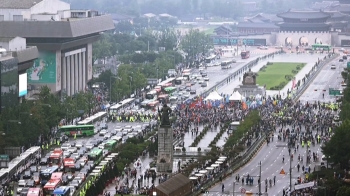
9	82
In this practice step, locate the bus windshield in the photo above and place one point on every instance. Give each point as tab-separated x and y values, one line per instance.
209	59
96	155
62	191
151	95
110	145
45	175
245	54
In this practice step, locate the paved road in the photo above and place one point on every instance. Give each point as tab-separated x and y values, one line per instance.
327	78
271	156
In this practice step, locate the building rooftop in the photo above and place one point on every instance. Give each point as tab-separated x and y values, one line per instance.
304	14
323	5
149	15
262	17
56	29
341	8
121	17
18	4
336	14
303	25
256	25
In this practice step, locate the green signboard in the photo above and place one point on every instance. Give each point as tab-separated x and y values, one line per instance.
4	157
44	69
348	65
334	92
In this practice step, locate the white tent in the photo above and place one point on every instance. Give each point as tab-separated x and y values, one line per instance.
236	96
213	96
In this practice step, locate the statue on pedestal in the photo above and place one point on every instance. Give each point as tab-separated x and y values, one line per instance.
164	115
249	78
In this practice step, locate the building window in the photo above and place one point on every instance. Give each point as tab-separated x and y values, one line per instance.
2	17
17	18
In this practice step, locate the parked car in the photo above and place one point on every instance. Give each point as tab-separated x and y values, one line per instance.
21	185
103	132
33	168
27	174
31	183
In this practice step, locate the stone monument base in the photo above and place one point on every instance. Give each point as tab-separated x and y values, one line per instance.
250	90
164	167
165	149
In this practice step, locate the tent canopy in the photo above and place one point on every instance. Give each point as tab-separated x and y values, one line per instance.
236	96
213	96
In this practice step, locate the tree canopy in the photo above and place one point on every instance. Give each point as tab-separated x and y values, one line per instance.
23	124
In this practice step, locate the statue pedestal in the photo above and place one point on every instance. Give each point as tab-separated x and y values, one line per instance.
165	149
250	90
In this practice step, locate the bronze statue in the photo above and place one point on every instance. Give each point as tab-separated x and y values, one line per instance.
164	115
249	78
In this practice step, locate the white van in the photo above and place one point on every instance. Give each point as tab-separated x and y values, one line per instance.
173	99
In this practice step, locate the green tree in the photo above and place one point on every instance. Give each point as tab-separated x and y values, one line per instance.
167	39
343	191
102	48
124	27
195	42
105	77
338	146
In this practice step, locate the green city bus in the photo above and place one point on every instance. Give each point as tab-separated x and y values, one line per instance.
96	155
110	145
321	46
78	130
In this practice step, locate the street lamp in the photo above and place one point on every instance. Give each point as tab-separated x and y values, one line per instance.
110	86
19	114
130	83
45	104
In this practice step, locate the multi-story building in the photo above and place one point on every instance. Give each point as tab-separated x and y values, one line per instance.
15	59
63	37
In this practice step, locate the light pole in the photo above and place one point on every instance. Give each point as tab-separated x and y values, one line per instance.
260	178
19	114
234	186
130	84
157	74
110	86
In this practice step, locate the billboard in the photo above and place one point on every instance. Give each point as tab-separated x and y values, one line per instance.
44	69
241	41
22	84
345	43
58	70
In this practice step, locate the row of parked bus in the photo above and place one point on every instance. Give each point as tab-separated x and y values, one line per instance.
19	164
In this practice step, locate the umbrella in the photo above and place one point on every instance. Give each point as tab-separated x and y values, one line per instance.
193	178
203	171
209	168
223	158
215	165
199	175
218	162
